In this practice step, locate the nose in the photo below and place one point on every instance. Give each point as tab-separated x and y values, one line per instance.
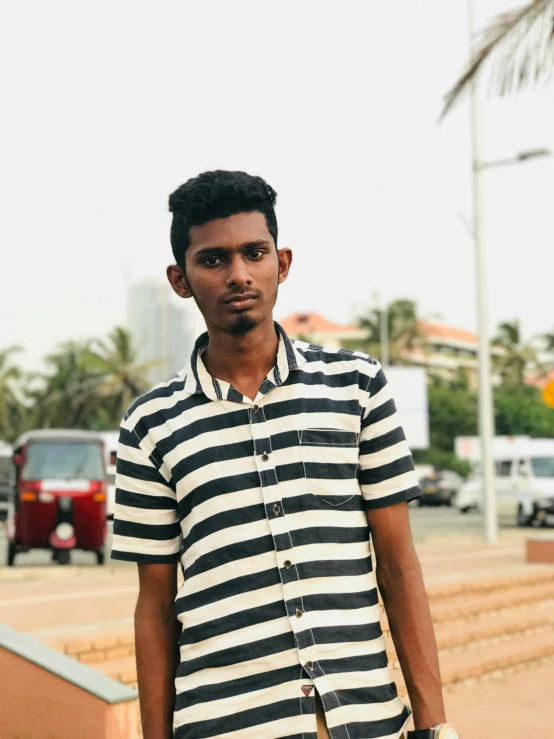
239	274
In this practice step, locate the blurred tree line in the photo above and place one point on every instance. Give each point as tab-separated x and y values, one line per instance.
91	384
453	409
87	385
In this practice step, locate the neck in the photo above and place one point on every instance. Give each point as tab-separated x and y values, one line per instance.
234	357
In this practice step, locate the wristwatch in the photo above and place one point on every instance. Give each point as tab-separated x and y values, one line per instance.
441	731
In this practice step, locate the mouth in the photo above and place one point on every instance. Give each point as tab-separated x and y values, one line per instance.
241	301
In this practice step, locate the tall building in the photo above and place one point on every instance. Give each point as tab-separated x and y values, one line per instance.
163	327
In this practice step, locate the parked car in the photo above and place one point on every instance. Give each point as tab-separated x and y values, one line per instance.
440	488
523	483
470	495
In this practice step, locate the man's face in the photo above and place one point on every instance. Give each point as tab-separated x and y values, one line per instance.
233	271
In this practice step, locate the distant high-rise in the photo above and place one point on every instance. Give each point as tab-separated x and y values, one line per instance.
162	326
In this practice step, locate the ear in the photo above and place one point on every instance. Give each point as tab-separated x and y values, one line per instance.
285	259
178	281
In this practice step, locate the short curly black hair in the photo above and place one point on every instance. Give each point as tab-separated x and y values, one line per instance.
218	194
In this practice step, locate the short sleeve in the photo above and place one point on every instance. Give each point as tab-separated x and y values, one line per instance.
385	466
146	520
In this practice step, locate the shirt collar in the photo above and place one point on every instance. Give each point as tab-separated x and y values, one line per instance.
198	379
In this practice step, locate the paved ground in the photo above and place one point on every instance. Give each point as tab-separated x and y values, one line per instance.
53	601
513	707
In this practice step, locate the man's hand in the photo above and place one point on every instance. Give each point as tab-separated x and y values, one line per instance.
157	648
401	585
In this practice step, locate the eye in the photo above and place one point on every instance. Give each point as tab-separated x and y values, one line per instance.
256	253
211	261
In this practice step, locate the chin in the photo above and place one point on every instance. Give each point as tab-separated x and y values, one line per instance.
242	324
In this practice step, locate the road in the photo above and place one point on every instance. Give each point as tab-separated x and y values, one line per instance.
427	523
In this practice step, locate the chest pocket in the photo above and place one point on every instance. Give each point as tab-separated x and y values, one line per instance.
330	460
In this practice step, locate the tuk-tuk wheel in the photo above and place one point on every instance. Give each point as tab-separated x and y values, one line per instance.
100	555
63	556
11	553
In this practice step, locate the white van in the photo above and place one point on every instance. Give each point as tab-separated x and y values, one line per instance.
524	482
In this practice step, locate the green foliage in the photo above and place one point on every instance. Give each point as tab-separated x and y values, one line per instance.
517	356
522	412
519	411
442	460
13	410
87	385
452	412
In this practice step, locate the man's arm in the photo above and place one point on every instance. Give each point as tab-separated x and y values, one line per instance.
157	648
401	585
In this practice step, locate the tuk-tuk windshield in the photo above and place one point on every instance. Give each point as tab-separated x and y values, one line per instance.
64	460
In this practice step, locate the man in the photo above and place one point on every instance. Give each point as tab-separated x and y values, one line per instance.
263	468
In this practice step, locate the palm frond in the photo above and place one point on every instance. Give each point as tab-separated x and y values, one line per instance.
548	339
522	41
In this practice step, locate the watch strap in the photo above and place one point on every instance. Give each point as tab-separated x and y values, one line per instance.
435	732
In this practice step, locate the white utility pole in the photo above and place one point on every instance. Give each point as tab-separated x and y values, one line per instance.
486	408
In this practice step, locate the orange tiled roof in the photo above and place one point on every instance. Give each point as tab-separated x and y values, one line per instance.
540	382
308	323
429	328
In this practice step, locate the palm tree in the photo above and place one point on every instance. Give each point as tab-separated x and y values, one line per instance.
403	330
119	380
522	41
64	397
517	356
548	339
12	409
547	353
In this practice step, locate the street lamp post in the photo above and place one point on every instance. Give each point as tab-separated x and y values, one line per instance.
486	410
486	406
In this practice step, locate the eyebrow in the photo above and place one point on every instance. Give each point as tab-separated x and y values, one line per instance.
225	249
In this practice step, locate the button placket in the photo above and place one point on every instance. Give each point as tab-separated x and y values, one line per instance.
277	522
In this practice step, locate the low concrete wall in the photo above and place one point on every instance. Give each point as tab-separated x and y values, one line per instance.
540	550
47	695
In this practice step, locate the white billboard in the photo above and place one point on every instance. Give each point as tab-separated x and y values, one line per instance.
409	390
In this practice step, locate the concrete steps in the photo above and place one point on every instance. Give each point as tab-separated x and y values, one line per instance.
484	628
124	670
452	638
492	662
489	628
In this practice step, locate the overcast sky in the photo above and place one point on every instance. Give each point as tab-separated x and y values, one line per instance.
110	105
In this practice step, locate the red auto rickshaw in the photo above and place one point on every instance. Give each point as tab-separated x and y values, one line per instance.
60	493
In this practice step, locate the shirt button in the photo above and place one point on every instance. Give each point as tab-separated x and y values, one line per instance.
265	457
309	664
276	509
255	408
298	613
287	563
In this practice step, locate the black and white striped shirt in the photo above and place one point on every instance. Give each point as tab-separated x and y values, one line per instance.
264	505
